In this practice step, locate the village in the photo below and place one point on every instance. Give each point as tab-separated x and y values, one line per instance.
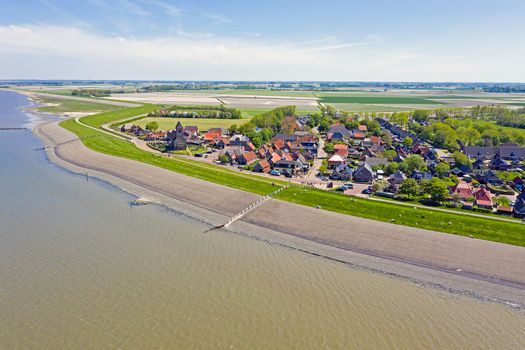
372	158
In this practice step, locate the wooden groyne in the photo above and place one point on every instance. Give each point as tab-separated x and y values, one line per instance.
8	129
247	209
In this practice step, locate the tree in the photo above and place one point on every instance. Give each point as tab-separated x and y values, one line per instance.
414	162
436	188
410	188
390	154
152	126
502	200
442	169
325	124
461	159
328	147
407	141
234	129
420	115
391	168
224	159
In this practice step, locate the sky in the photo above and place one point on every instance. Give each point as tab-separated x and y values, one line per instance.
331	40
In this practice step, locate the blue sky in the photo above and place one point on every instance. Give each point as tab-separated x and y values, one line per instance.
267	40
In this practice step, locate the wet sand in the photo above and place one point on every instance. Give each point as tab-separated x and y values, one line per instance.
483	269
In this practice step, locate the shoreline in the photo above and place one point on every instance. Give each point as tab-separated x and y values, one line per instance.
214	214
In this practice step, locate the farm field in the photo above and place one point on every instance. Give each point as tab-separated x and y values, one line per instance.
366	99
166	123
252	112
360	107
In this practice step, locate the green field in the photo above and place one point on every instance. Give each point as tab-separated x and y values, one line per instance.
65	106
499	231
202	123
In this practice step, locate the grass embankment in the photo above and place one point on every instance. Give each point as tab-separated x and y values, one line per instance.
106	144
481	228
492	230
61	105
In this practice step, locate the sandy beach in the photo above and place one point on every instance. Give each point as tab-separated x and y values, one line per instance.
484	269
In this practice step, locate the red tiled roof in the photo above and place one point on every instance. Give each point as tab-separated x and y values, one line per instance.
249	156
362	128
264	163
375	139
359	135
463	189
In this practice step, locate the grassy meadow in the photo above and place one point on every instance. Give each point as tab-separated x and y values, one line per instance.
166	123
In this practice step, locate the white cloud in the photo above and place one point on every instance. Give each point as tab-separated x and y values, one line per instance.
44	51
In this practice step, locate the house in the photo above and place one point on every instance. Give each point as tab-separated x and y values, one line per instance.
262	166
247	158
285	137
421	175
239	140
480	152
458	172
212	136
511	152
375	161
463	190
342	172
222	142
274	158
362	128
249	147
483	198
191	129
489	177
334	161
154	136
338	133
517	183
519	205
292	167
358	135
500	164
397	178
364	173
232	154
134	129
341	150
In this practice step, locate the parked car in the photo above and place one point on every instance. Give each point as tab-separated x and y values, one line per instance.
275	173
366	191
349	185
324	178
200	155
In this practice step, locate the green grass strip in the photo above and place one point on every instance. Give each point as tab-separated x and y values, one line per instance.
463	225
